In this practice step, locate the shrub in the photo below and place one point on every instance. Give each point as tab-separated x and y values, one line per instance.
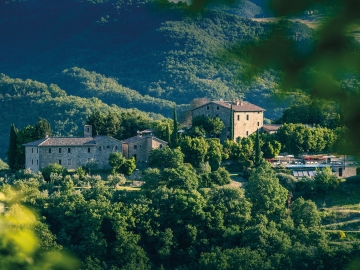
52	168
353	179
287	181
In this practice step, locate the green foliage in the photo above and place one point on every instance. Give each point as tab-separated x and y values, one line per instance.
181	177
287	181
220	177
120	164
174	134
304	212
265	192
211	125
11	153
50	169
298	138
129	166
194	149
166	157
325	180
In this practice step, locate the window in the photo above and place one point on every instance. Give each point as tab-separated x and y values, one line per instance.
238	117
258	123
89	150
32	162
228	128
116	148
37	150
59	150
217	108
99	148
217	135
32	150
247	117
69	161
60	161
160	146
49	150
135	146
207	107
108	147
140	145
228	136
69	150
217	115
134	157
37	162
247	133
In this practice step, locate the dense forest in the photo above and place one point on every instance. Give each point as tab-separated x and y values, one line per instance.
84	46
62	60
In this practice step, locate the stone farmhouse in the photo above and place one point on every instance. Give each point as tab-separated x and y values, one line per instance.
139	146
71	152
247	117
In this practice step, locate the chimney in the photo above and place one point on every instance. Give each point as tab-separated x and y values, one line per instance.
238	102
87	131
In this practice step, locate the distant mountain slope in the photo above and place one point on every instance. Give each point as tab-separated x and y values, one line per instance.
82	83
146	49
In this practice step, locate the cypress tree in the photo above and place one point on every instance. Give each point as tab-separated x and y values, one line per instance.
174	135
257	149
42	128
11	153
231	136
168	133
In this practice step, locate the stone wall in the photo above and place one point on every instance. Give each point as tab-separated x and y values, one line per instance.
72	157
245	123
140	149
32	158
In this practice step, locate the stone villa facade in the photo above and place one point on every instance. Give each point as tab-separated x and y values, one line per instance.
139	146
247	117
71	152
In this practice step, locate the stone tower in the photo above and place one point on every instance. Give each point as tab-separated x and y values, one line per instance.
87	131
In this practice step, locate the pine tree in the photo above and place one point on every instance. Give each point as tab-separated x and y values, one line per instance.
174	135
231	136
11	153
257	149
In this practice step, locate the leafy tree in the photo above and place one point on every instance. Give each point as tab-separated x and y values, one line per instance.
194	149
11	153
287	181
304	212
166	157
52	168
181	177
129	166
214	153
211	125
120	164
115	180
116	160
220	177
325	180
265	192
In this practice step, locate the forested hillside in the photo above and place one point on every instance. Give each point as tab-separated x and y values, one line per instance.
162	51
23	102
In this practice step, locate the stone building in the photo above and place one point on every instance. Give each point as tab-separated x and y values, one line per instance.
247	117
71	152
139	146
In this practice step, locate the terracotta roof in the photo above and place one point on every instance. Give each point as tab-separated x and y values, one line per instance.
67	141
241	106
139	138
271	127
